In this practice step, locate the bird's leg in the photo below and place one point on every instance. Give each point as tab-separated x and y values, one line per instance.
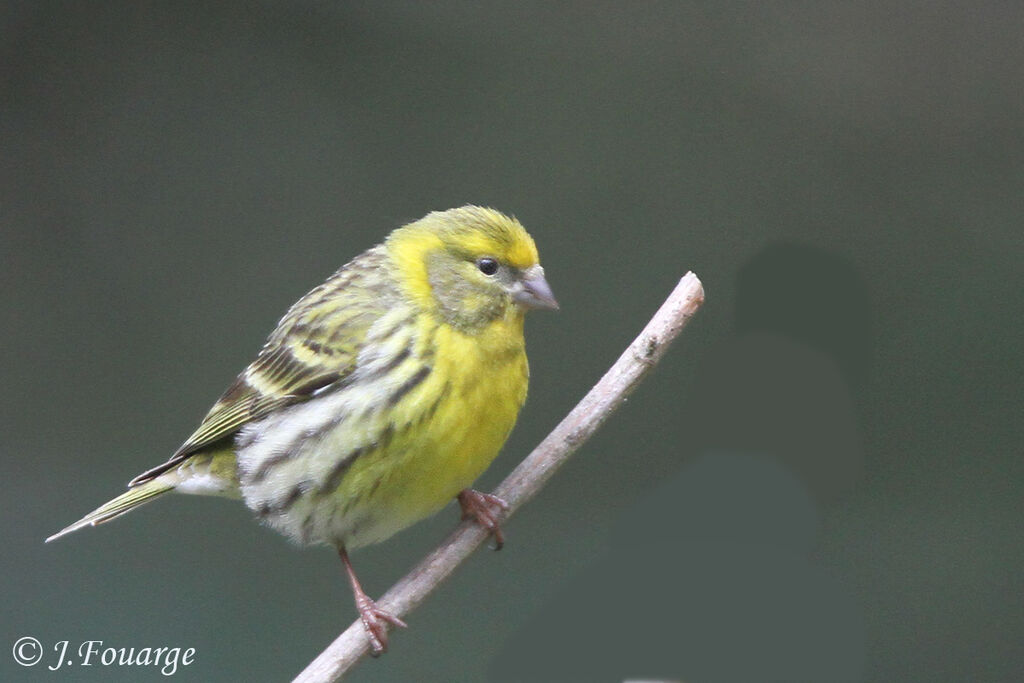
374	619
480	507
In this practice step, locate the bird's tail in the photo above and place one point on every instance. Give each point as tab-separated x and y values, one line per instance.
210	473
129	500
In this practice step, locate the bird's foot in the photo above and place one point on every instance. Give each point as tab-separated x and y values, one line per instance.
375	621
481	507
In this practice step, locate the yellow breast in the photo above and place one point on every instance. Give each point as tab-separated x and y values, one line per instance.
446	430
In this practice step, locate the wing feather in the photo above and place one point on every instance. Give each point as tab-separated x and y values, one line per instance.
315	345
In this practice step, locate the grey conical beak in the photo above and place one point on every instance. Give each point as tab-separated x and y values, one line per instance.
534	291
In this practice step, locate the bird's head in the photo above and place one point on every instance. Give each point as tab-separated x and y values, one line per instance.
470	266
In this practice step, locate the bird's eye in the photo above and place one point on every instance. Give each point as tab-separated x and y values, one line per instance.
487	266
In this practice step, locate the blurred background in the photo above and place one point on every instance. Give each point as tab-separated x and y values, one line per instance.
823	479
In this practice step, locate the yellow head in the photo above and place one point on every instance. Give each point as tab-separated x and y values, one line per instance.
470	266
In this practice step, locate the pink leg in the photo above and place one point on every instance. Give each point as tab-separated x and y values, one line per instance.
375	620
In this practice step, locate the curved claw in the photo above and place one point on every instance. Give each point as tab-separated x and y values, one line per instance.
480	507
375	622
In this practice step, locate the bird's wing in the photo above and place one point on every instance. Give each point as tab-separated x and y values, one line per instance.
315	345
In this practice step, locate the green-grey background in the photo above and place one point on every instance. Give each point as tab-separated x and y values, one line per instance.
821	482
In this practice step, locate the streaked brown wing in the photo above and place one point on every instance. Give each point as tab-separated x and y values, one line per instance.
274	380
314	345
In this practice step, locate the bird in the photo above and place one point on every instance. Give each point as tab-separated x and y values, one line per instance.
380	396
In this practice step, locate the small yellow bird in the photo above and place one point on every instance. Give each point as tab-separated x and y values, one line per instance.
381	395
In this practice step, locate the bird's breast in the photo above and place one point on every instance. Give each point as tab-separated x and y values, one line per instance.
355	465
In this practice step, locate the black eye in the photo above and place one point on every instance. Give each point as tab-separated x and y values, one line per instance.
487	266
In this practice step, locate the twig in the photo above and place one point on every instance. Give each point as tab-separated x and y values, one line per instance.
527	479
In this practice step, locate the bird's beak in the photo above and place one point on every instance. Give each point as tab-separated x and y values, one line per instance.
534	291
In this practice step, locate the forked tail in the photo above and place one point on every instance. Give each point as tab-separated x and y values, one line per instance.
129	500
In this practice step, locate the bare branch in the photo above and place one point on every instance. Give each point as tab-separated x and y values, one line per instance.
527	479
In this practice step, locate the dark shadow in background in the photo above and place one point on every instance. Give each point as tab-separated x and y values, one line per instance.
711	576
